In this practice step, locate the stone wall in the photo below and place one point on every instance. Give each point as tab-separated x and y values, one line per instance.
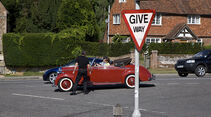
165	60
168	61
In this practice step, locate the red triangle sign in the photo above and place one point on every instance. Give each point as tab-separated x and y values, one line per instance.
138	23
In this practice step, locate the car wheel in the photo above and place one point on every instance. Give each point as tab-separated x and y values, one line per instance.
130	81
52	76
65	84
200	71
183	74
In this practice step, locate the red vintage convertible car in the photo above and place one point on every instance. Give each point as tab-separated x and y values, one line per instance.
121	72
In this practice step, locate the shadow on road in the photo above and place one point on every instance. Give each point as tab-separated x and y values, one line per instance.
108	87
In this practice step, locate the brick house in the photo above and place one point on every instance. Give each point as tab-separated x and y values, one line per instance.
175	20
3	23
3	29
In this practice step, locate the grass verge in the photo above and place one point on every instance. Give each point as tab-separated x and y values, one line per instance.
163	71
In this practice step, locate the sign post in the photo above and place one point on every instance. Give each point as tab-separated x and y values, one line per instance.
138	23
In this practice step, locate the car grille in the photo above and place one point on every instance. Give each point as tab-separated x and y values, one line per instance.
181	62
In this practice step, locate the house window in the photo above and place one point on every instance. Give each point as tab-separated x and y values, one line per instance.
116	19
193	19
157	19
120	1
199	41
153	40
126	40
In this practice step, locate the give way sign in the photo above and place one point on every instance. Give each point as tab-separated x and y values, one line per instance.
138	23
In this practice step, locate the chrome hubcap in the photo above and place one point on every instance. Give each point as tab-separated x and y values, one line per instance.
201	71
52	77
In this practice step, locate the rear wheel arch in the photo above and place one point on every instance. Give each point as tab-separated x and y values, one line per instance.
130	80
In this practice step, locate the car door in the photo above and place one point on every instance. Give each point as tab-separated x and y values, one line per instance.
106	74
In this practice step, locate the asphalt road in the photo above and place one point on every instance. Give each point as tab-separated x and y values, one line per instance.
167	96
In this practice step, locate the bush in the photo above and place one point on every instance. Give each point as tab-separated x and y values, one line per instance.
36	49
47	49
176	48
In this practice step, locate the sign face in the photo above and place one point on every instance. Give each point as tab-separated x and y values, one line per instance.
138	23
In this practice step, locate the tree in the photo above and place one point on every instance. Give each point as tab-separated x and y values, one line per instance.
100	8
32	16
37	16
77	13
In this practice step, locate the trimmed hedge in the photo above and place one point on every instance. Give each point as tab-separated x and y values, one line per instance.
47	49
33	50
176	48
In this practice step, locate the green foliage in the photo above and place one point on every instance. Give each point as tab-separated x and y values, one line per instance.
207	47
38	16
76	51
100	8
118	38
118	49
32	15
176	48
81	14
48	49
74	33
44	14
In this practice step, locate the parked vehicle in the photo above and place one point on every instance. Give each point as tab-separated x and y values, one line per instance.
51	74
200	64
121	72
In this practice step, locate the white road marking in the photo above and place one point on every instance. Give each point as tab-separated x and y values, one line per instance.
35	96
152	111
192	83
173	83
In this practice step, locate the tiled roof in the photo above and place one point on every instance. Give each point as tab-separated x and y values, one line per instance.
201	7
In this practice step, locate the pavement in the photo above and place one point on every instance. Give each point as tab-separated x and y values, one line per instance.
20	77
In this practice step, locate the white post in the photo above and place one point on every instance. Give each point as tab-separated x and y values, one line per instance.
136	112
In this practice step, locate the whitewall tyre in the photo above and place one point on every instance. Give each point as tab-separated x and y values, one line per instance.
130	81
65	84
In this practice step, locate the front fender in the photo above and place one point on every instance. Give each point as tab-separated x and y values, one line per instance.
64	75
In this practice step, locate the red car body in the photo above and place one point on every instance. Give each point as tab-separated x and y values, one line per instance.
103	75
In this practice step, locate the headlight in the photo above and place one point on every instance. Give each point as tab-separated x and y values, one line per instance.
190	61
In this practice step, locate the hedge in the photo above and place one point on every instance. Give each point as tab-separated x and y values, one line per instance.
176	48
47	49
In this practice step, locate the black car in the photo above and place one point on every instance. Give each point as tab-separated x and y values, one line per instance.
200	64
